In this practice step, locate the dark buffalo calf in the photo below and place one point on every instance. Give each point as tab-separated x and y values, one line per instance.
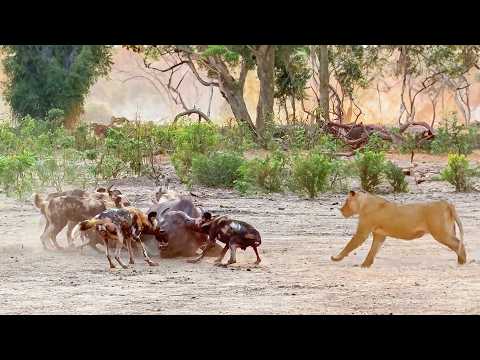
233	233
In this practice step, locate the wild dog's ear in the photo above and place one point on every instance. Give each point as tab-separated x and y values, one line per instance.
206	216
117	200
101	190
152	217
352	193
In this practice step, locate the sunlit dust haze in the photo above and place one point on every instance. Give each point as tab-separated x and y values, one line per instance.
132	91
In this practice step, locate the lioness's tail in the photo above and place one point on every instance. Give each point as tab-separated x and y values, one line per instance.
460	226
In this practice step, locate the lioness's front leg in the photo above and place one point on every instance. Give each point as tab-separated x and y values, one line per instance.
376	244
357	240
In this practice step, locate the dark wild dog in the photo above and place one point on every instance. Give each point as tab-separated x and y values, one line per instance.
233	233
121	226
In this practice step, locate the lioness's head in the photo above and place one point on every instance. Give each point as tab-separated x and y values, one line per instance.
352	204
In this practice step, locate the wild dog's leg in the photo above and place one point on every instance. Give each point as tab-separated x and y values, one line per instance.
204	252
70	227
145	255
233	254
55	228
107	250
130	251
357	240
256	253
376	244
44	235
118	247
44	238
453	243
222	255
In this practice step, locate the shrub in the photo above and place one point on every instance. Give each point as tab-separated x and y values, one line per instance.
266	174
236	138
193	139
370	166
396	177
340	175
217	169
454	137
376	143
458	172
16	173
311	172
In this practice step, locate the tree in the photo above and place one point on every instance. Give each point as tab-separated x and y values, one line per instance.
324	81
292	74
226	67
421	67
45	77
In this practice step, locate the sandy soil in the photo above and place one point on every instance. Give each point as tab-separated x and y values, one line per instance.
295	277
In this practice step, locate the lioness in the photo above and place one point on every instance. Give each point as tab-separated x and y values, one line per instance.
407	222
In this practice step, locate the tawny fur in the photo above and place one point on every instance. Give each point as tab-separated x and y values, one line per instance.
383	218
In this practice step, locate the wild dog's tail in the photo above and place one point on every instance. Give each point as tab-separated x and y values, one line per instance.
88	224
454	214
84	226
40	203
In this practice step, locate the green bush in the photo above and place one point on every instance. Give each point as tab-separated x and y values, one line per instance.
16	173
340	175
376	143
236	138
193	139
217	169
311	172
396	177
454	137
267	174
458	172
370	167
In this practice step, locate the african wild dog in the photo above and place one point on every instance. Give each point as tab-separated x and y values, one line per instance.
233	233
69	209
121	226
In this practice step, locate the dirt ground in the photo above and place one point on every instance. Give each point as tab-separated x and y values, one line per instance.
296	275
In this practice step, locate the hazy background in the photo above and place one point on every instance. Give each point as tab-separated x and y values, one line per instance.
128	92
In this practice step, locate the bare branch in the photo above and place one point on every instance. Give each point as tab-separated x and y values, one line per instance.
189	112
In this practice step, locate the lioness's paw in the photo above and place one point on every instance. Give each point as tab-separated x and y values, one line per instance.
336	258
366	265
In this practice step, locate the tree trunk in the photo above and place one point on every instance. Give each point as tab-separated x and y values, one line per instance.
265	57
234	97
294	110
324	81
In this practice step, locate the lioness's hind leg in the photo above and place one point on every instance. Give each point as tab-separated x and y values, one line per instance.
377	242
453	243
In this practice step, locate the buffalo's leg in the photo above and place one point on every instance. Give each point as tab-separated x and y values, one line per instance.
357	240
377	242
222	255
258	257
